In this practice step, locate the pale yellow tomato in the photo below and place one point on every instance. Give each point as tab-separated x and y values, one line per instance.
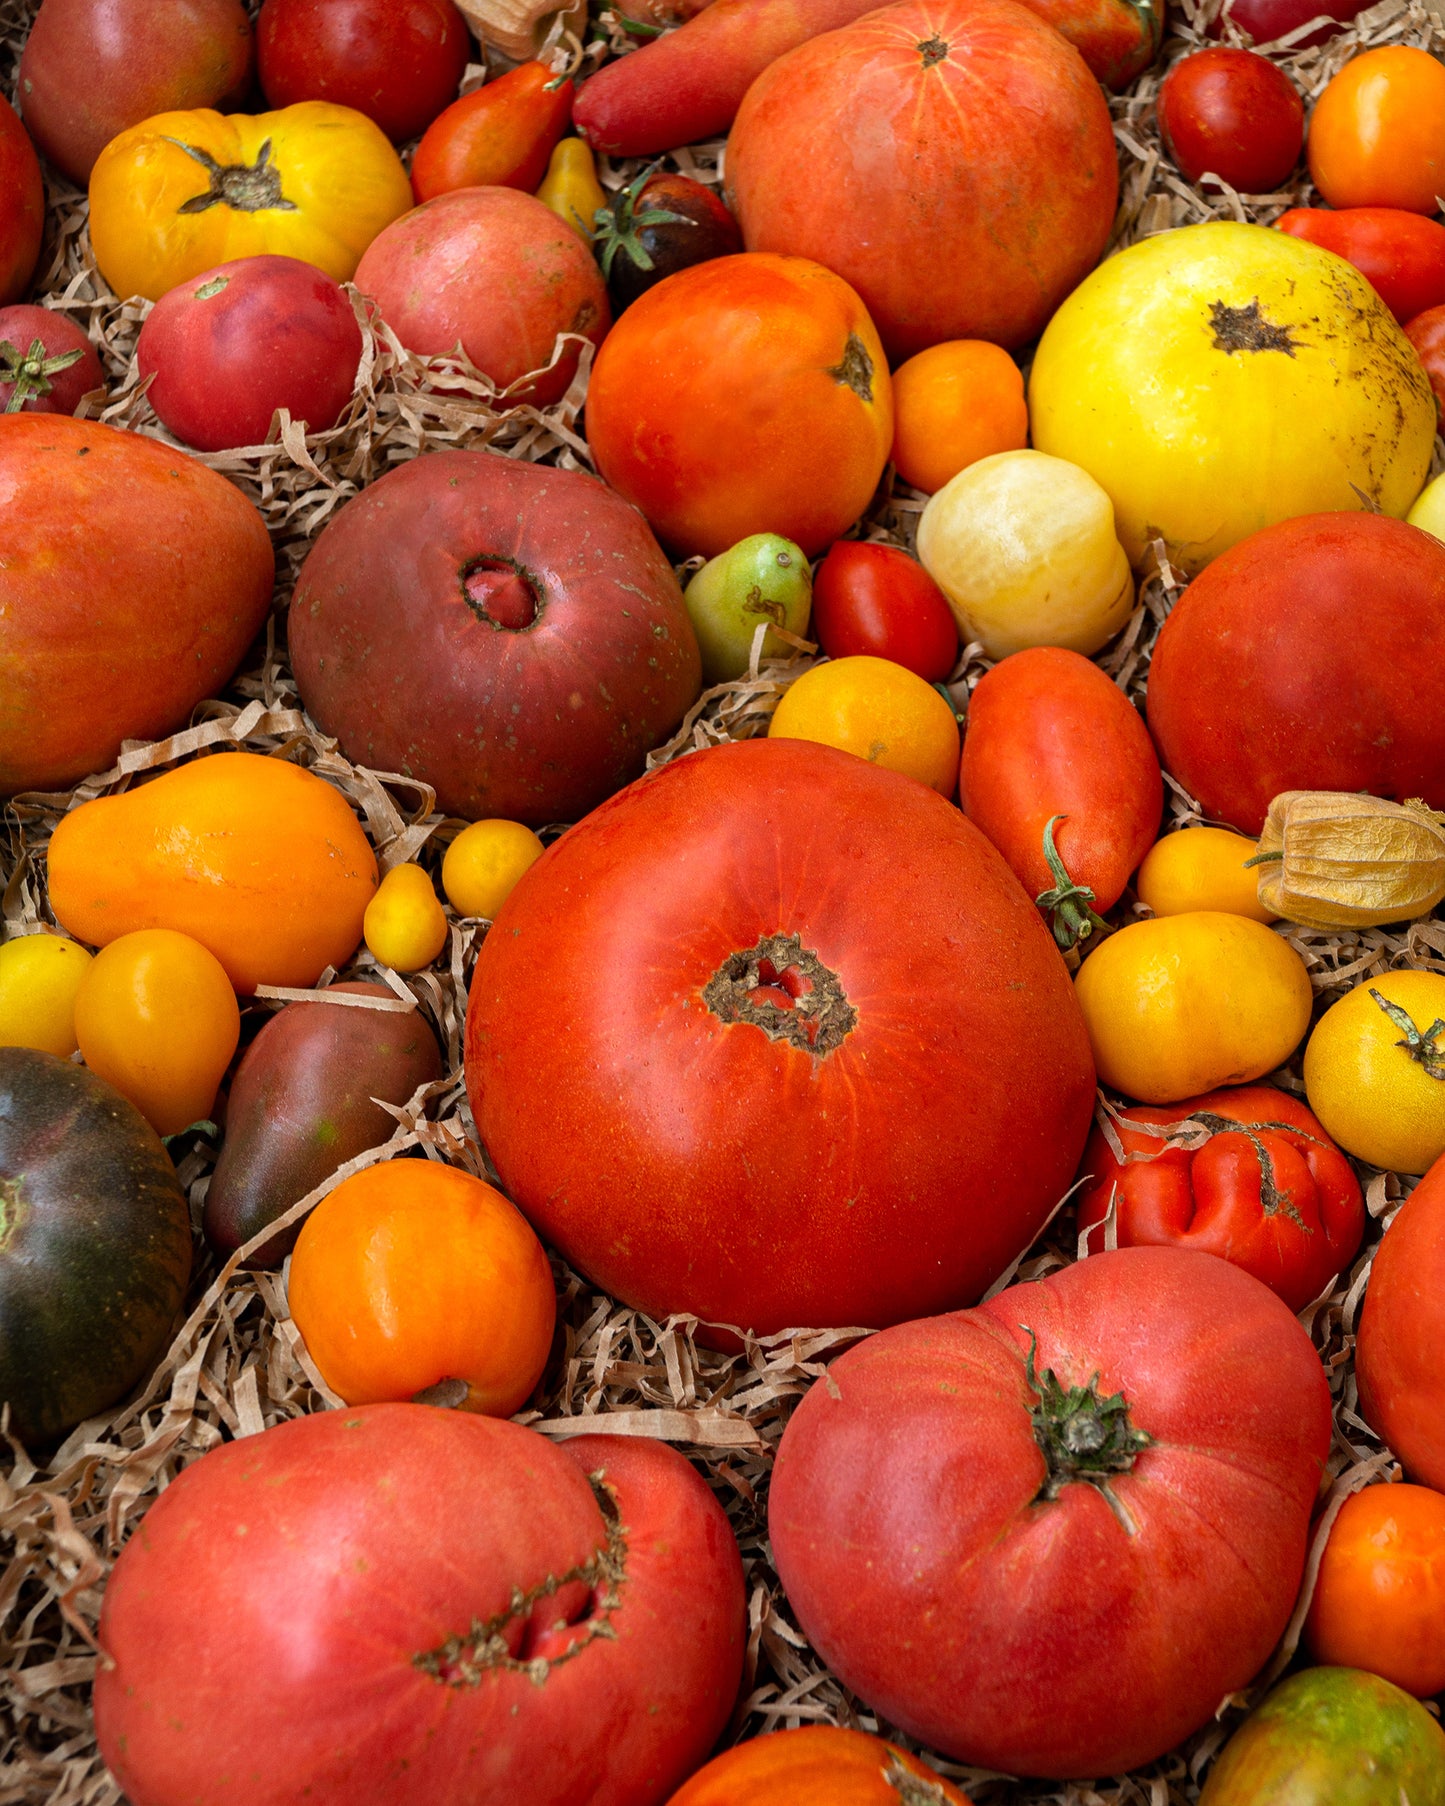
39	976
877	710
404	925
1428	512
1376	1076
1202	868
484	862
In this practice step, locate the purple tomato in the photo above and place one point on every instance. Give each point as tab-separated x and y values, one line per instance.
46	362
877	601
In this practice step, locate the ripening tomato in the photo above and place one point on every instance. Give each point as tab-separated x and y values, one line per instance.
22	205
1401	1331
816	1765
484	863
1235	115
1377	135
660	223
498	136
876	600
1379	1598
1400	254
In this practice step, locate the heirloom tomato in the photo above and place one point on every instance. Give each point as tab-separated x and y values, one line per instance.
22	206
39	976
1118	39
874	599
1426	332
1375	1070
405	927
877	710
1379	1598
183	192
1247	1174
762	581
570	187
47	364
817	1765
954	404
1401	1331
498	136
1232	114
1401	255
1377	133
1202	868
658	224
482	865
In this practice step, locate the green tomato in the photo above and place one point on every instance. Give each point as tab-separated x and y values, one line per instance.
760	581
1332	1737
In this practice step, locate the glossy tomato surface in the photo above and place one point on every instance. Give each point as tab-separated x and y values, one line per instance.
1263	21
1397	1356
1377	133
1401	254
498	136
1235	115
397	61
1426	332
22	206
876	601
816	1765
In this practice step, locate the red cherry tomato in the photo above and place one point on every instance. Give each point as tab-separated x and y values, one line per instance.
1235	115
875	601
1426	332
1401	254
397	61
1262	21
500	136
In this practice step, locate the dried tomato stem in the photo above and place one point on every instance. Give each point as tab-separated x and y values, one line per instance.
1422	1045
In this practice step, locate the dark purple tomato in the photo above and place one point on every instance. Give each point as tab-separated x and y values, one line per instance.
877	601
1235	115
661	223
237	342
1262	21
46	362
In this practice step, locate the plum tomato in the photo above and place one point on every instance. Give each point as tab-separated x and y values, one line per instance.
1377	134
46	362
232	345
660	223
876	600
499	136
22	205
1400	254
398	61
1426	332
1263	21
1235	115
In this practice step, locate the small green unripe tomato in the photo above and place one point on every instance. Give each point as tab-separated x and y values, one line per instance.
761	581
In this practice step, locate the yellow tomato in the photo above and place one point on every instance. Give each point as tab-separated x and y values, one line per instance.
404	925
1202	868
1187	1003
483	864
1428	512
1220	378
878	710
156	1017
181	192
1376	1076
39	976
570	187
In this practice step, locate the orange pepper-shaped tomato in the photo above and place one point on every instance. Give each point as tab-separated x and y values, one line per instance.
182	192
499	136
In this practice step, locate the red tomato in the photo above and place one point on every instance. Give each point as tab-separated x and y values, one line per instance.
1426	332
397	61
1402	255
1402	1329
22	206
53	379
1048	1581
1051	739
1275	1196
232	345
1263	21
499	136
870	1088
1234	115
427	1608
1118	39
876	601
1379	1598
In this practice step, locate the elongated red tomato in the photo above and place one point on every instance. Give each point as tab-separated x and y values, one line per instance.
1401	255
1051	739
1402	1327
499	136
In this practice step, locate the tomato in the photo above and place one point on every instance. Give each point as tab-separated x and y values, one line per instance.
818	1765
1244	420
501	135
47	364
1281	668
805	995
483	864
230	346
570	187
874	599
1202	868
1375	1070
412	1276
39	976
1379	1598
1377	134
761	582
954	404
22	206
1397	1355
878	711
397	61
1253	1179
660	223
990	168
1400	254
156	1017
1235	115
746	395
183	192
1059	771
1118	39
91	69
428	1608
1426	332
1184	1004
499	274
1049	1535
405	926
1264	21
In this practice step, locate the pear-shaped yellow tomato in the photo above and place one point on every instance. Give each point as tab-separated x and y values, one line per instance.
1202	868
1220	378
1184	1004
405	926
1375	1070
182	192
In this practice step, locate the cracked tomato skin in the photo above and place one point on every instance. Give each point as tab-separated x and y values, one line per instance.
1056	1637
1275	1196
333	1580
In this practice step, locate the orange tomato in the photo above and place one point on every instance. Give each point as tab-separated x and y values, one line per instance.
1379	1601
952	405
819	1765
1377	137
878	710
410	1274
156	1017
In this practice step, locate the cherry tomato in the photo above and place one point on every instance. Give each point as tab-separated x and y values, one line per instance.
1401	254
500	136
876	601
397	61
1426	332
1263	21
661	223
1379	1601
1377	135
1235	115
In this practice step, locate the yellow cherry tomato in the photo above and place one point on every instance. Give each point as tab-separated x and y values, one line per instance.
184	191
484	862
1376	1075
878	710
39	976
1428	512
405	926
156	1017
570	187
1202	868
1187	1003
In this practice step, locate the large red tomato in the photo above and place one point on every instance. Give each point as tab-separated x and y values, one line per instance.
400	1606
1402	1328
969	180
1049	1535
1310	656
807	1051
22	206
